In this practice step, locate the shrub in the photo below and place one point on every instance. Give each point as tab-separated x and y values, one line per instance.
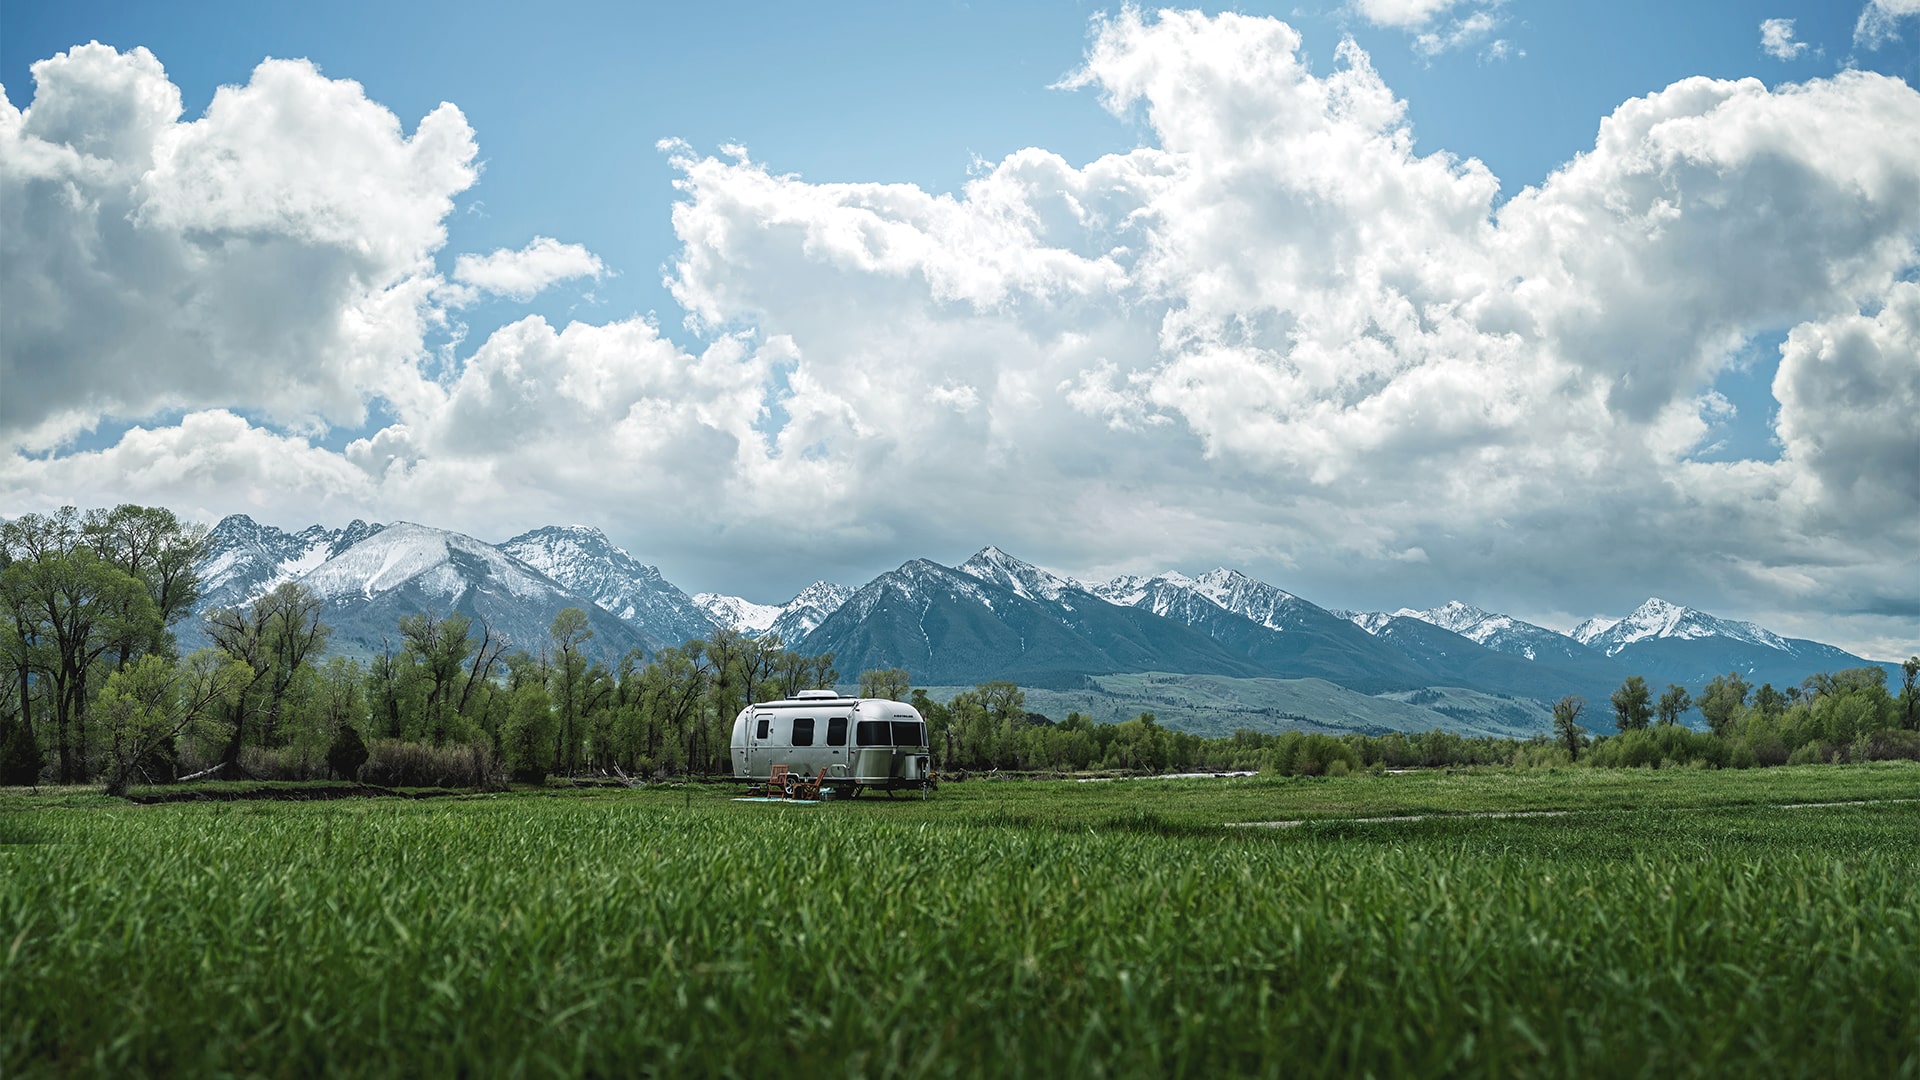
411	764
20	757
283	763
1887	744
1807	755
347	753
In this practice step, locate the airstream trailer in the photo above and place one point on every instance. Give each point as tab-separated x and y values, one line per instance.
862	743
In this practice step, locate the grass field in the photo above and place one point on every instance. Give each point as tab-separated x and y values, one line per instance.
1670	923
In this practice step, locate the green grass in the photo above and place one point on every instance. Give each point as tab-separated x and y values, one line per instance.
1674	922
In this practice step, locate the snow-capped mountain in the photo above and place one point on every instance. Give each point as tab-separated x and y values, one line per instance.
1021	578
407	569
1545	672
586	562
1229	590
248	559
792	620
801	614
949	627
734	613
1673	643
1659	619
1284	635
1501	633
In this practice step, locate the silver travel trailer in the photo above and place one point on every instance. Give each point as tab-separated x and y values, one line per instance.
861	742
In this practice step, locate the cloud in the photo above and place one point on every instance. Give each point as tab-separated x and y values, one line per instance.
1880	21
1273	335
275	253
1776	40
1475	27
1432	32
522	274
1402	14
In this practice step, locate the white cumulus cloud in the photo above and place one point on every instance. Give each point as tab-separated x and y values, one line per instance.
523	274
1881	21
1402	14
1776	39
275	253
1273	335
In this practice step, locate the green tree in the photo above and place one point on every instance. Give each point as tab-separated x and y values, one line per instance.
570	633
889	683
69	608
153	546
527	741
1910	691
1722	700
1566	716
439	649
1673	703
1632	704
274	637
675	690
148	704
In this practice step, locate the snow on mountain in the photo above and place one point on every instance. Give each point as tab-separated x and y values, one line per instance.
439	564
792	620
248	559
1024	579
585	561
408	569
912	584
1501	633
1230	590
1371	621
1658	619
734	613
801	614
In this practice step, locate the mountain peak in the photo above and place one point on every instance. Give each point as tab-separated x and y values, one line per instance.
582	558
994	566
1657	618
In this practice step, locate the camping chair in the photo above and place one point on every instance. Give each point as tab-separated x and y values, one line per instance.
810	789
777	783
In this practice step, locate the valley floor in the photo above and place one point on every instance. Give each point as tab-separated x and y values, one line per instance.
1577	922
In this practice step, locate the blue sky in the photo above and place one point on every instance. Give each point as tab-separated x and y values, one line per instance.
570	101
568	106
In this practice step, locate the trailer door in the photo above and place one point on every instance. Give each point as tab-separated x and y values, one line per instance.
759	733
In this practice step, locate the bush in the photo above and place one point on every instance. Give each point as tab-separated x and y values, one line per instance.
20	757
1807	755
1887	744
283	763
410	764
347	753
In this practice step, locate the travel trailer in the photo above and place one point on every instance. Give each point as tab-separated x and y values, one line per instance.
862	743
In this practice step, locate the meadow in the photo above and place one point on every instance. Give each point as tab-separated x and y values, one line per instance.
1670	922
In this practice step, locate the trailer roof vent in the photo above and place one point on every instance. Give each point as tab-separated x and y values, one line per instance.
815	695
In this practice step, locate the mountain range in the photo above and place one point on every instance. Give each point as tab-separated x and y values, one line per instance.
997	617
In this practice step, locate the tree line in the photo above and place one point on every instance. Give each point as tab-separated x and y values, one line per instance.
93	687
1844	716
96	688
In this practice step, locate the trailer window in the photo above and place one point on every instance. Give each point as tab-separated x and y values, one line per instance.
873	733
836	731
765	728
909	733
803	731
